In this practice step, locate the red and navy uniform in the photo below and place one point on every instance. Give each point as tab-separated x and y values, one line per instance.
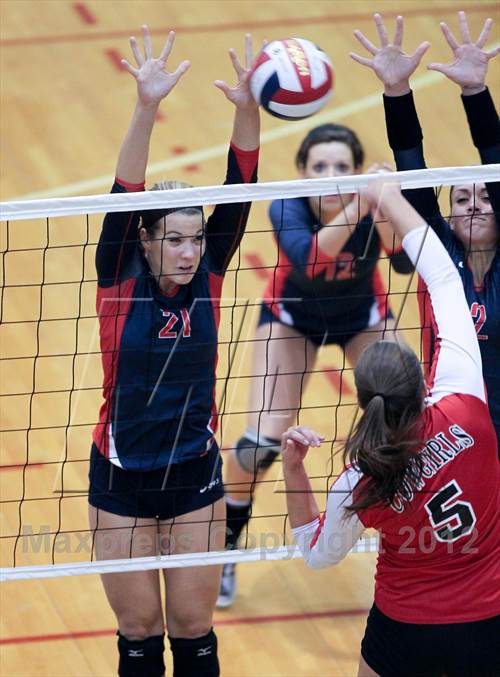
159	351
439	542
329	299
405	138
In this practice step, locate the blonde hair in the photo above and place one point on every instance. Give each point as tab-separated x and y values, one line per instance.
171	184
151	217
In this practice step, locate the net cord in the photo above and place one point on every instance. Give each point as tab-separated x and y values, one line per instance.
283	552
227	194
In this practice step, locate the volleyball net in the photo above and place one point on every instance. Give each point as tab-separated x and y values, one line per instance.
51	370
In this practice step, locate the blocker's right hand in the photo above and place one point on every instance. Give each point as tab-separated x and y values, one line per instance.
390	63
153	81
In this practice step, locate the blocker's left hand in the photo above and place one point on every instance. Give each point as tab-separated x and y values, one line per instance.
240	95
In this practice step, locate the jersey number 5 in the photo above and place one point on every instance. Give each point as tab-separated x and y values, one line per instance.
451	519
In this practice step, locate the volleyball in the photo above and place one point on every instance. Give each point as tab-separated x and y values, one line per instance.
292	79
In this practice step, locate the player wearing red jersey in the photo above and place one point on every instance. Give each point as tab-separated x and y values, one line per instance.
423	471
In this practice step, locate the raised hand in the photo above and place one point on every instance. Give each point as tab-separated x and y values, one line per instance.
390	62
295	443
153	81
471	61
240	95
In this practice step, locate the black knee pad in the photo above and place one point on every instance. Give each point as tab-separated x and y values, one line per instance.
255	453
195	657
142	657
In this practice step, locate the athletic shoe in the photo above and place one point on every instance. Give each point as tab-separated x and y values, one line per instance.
227	591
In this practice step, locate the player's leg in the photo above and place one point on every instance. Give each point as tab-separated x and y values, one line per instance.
191	592
282	361
134	597
364	670
384	329
281	366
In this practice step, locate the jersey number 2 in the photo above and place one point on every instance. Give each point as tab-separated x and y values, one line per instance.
478	312
451	519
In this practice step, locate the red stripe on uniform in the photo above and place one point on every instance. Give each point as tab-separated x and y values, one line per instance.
274	290
113	304
425	314
381	295
434	343
247	161
318	530
320	262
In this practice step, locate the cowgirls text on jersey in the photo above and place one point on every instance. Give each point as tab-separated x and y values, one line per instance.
437	452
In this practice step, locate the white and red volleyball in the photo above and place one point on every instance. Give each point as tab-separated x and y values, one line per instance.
292	79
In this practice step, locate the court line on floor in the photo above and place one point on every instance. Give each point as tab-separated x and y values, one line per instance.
38	40
218	622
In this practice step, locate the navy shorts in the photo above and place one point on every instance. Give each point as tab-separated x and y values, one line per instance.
189	486
395	649
329	332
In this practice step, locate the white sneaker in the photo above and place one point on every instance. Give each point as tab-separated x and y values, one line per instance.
227	591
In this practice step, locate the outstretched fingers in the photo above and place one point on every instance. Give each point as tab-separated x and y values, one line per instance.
449	37
248	51
398	33
381	30
148	43
136	51
492	53
180	70
167	47
236	63
361	59
133	71
420	51
367	44
485	31
464	27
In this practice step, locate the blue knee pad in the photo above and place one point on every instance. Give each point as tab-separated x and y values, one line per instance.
141	657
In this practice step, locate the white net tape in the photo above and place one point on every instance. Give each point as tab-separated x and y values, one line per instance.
185	197
283	552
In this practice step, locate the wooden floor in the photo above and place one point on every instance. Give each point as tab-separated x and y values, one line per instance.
66	105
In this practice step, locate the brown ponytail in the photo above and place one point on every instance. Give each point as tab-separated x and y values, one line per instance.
390	388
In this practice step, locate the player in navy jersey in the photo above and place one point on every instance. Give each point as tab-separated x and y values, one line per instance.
420	467
472	234
326	289
155	474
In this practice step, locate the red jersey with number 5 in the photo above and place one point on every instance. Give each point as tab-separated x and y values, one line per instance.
440	541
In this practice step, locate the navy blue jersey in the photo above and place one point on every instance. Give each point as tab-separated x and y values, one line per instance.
310	287
159	351
405	138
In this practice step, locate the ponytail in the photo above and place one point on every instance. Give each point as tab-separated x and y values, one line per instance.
384	442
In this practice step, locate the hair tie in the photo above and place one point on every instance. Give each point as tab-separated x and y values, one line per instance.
378	395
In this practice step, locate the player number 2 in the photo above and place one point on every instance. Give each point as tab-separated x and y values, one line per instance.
451	519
